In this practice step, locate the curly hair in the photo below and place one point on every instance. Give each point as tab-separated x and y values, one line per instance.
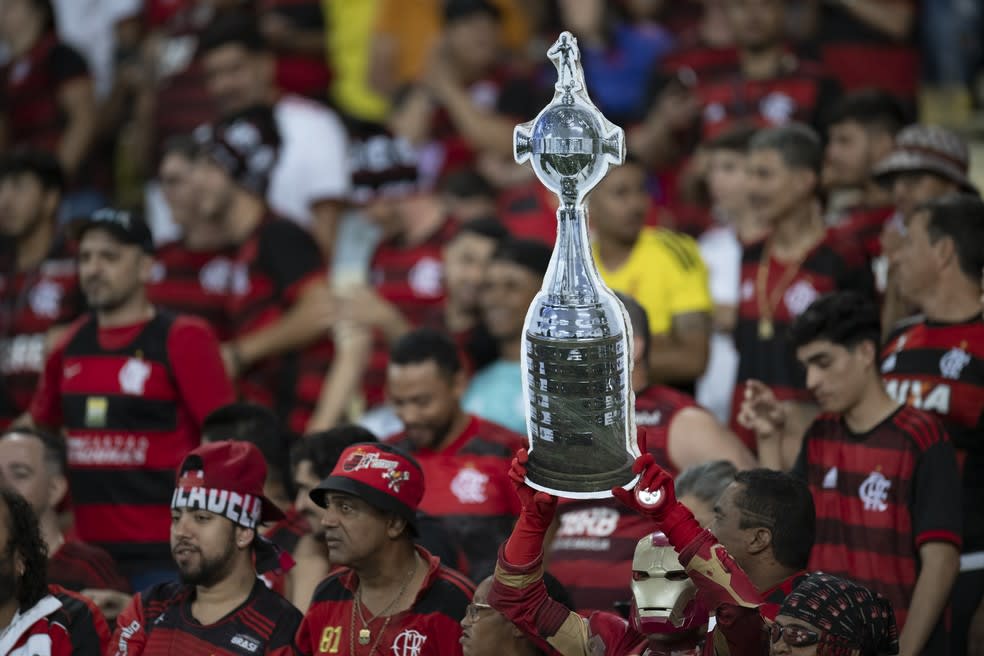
24	538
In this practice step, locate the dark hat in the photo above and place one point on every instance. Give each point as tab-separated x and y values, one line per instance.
930	149
127	226
383	166
226	478
381	475
245	145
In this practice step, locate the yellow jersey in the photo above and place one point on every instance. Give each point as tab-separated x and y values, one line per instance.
665	274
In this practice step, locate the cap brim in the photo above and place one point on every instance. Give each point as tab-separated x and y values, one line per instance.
77	228
271	512
909	162
372	496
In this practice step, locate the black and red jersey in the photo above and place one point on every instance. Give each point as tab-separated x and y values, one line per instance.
412	279
31	303
431	627
879	497
800	91
529	212
864	226
288	531
469	489
198	283
78	566
131	400
832	265
596	539
939	368
181	102
270	270
159	622
87	627
30	91
860	56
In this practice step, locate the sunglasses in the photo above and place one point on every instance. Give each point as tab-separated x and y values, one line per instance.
794	636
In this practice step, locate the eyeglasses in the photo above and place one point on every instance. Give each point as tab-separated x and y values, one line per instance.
795	636
473	609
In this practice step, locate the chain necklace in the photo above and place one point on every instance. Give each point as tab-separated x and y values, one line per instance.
365	634
769	303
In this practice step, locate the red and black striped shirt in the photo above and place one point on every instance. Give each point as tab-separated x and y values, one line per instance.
939	368
879	497
131	400
78	566
832	265
595	543
159	622
412	279
468	488
31	303
431	627
270	270
193	282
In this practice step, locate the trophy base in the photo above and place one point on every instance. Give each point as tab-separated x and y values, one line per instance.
593	485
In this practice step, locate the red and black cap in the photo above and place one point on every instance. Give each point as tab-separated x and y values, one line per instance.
245	145
381	475
226	478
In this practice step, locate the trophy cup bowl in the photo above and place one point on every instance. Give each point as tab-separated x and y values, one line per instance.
577	340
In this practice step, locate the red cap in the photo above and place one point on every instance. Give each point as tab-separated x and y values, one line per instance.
226	478
381	475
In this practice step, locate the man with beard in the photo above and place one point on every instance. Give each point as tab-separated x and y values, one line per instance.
465	458
37	620
37	273
392	596
130	385
220	606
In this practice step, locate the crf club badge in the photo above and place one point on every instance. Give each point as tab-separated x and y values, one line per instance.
134	375
409	643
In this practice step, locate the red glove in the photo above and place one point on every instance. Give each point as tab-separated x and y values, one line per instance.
673	518
526	542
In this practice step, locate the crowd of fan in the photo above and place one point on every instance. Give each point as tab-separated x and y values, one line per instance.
264	272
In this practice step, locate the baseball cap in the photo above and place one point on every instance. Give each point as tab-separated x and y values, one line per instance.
381	475
226	478
929	149
128	226
245	145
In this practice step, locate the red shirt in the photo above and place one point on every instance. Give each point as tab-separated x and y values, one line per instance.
42	630
78	566
131	400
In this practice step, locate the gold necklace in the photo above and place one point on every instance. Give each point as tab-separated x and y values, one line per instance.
365	634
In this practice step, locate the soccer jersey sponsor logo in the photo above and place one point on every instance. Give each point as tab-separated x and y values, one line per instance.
123	450
246	642
126	633
408	643
652	418
921	395
590	522
22	353
874	492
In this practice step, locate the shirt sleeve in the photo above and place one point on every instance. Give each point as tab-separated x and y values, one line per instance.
87	627
936	509
322	143
198	369
290	256
46	408
130	636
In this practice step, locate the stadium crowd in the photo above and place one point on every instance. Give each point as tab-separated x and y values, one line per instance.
264	272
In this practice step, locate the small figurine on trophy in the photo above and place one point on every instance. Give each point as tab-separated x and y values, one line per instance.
577	340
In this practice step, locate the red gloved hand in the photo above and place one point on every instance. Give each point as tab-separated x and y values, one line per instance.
654	497
526	542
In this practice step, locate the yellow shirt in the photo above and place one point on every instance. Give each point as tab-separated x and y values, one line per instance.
665	274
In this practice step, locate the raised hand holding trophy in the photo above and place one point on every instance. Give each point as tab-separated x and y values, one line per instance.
577	340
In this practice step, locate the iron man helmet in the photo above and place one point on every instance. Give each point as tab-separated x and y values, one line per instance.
664	599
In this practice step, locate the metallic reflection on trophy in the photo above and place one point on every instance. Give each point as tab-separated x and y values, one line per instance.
577	339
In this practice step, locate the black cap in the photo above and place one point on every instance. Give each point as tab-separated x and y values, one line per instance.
127	226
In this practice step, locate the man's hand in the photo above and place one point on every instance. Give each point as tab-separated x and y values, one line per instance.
362	304
539	506
110	602
761	411
653	480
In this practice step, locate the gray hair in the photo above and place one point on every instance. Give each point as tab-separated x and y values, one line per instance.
705	481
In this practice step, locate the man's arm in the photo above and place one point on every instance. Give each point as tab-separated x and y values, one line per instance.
940	565
893	19
197	368
75	98
309	318
680	356
352	348
130	636
695	437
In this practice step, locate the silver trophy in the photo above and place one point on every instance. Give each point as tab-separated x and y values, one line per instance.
577	340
